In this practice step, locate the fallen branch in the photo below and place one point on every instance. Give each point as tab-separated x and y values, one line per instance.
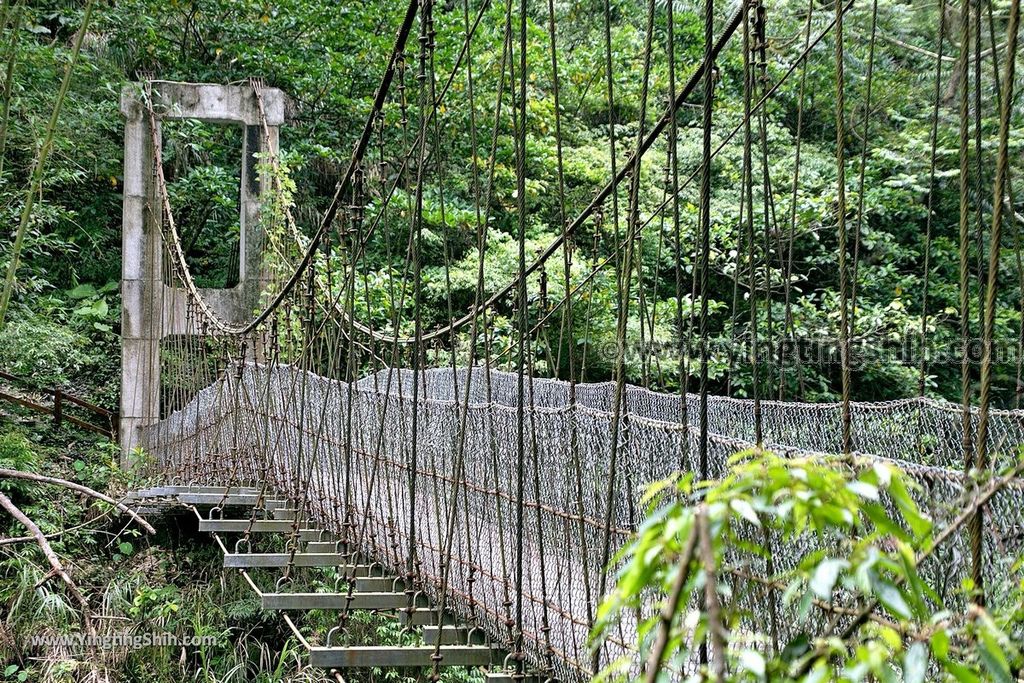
42	479
55	563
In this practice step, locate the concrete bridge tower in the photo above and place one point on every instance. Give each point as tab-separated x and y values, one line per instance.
151	309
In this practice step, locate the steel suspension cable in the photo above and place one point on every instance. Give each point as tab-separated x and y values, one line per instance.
844	310
693	175
597	201
747	204
704	239
988	330
568	320
936	97
684	336
858	231
519	119
625	278
417	256
966	421
1015	219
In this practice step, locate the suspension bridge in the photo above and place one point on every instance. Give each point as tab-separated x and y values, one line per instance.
478	490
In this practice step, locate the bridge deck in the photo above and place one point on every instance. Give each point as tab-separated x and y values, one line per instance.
445	642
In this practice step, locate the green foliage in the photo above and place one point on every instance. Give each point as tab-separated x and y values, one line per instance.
328	57
328	60
17	453
856	540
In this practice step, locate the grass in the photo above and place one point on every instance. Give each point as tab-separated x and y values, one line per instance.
172	583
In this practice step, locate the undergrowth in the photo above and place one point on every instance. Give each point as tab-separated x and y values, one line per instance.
137	585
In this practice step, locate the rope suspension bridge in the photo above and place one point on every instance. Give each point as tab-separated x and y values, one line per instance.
466	474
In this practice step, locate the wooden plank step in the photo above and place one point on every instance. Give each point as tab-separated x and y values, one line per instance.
334	601
372	584
280	560
415	656
447	634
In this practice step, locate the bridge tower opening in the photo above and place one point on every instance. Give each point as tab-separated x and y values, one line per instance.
154	310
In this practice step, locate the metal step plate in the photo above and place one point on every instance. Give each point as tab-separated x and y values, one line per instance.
176	490
245	499
509	677
448	635
259	526
334	601
423	616
323	547
359	657
281	560
144	510
289	513
375	584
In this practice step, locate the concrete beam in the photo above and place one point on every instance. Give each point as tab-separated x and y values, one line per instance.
216	103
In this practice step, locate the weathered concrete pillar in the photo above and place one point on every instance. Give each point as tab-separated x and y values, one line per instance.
140	267
151	310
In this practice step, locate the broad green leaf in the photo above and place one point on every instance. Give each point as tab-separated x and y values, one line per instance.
745	510
753	662
883	523
796	648
992	656
825	576
915	664
891	598
960	672
940	644
863	489
920	524
82	291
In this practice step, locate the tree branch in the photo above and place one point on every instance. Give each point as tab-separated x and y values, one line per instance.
980	499
669	609
56	534
714	609
58	568
42	479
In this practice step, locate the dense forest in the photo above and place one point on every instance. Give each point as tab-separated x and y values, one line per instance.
65	300
64	66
